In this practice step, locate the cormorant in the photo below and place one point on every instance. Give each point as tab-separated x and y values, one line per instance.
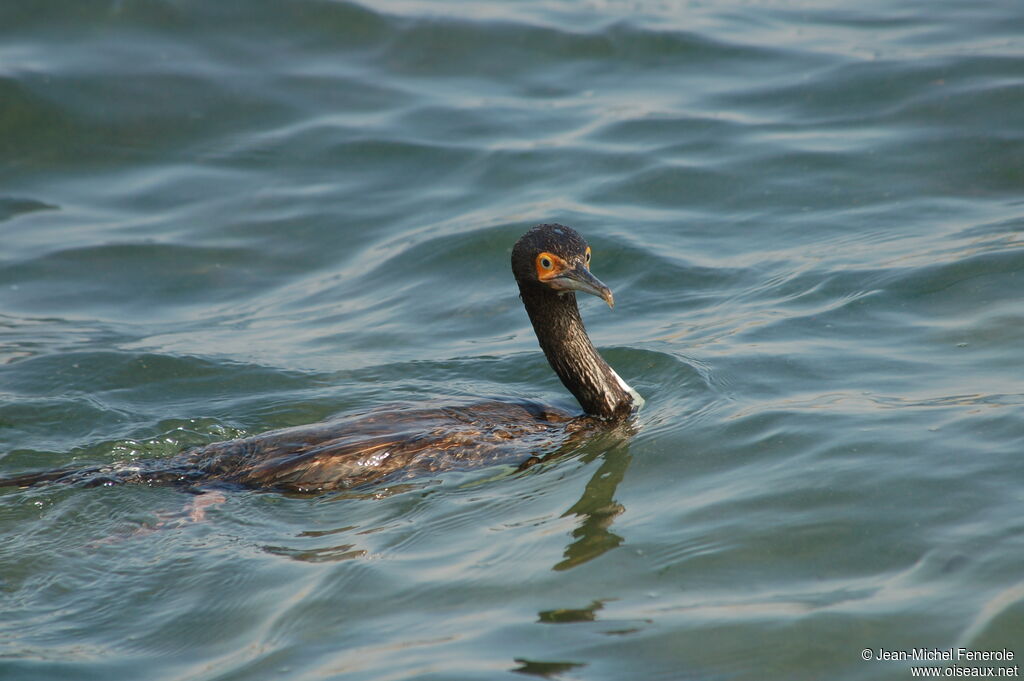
550	263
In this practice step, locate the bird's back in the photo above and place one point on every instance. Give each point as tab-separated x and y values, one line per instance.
348	452
352	451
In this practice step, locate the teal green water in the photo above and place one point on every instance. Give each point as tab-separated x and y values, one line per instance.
221	218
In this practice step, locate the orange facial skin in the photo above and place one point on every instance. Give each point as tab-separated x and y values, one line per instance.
562	276
550	265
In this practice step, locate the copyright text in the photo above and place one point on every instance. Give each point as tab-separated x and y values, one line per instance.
960	662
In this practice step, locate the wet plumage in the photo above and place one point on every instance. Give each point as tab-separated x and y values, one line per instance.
550	263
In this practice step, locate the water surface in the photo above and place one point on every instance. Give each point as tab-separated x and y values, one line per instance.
221	218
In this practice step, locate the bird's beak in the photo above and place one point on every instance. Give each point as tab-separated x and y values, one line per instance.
579	278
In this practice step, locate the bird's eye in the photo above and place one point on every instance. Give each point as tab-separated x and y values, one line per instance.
588	255
547	264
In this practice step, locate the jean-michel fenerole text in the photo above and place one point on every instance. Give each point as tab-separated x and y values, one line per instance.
950	654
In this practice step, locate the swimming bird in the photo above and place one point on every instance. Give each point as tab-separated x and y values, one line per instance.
551	263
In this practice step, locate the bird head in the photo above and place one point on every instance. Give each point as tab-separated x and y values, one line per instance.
556	258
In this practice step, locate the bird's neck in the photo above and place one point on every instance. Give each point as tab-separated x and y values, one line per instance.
562	336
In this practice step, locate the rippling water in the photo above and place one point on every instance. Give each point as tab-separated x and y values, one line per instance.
221	218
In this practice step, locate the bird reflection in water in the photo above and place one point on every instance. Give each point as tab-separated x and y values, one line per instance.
596	509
